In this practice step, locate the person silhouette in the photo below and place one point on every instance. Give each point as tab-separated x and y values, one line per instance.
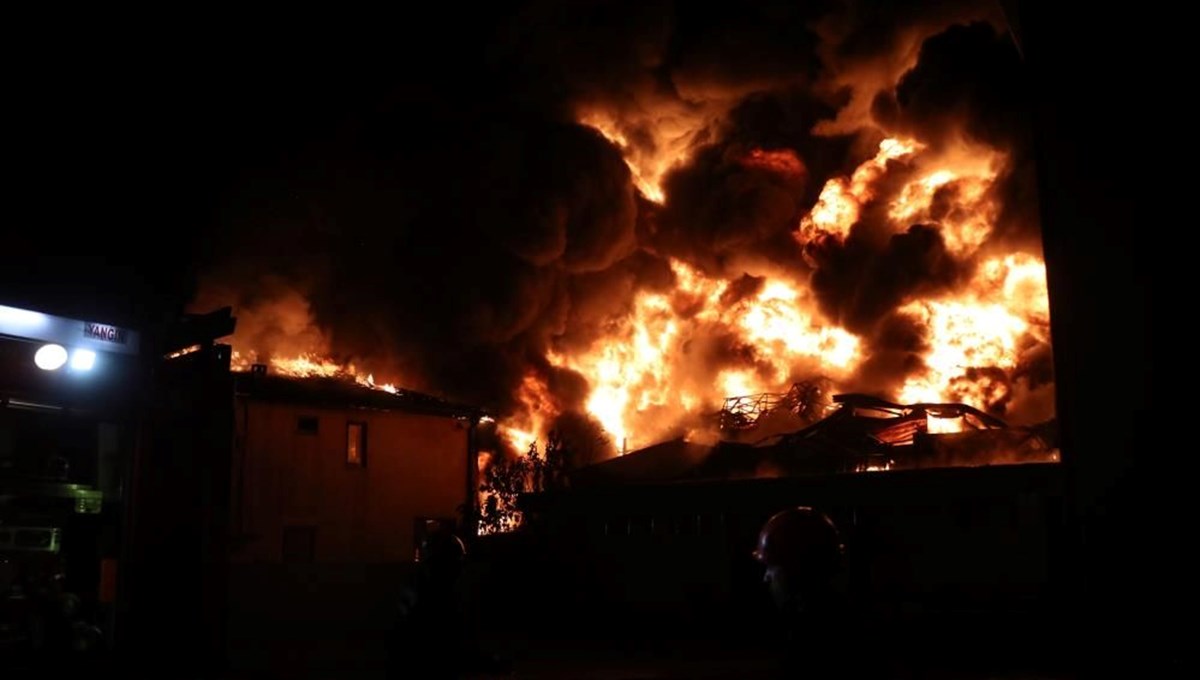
801	551
434	637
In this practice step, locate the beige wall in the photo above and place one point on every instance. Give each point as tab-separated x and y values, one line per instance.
416	467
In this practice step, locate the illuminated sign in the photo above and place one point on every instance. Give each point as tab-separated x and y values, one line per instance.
99	331
72	334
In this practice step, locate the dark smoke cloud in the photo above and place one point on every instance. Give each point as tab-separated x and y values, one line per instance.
461	229
558	194
728	212
968	80
897	341
863	30
484	265
550	54
745	46
455	225
866	45
720	207
598	297
588	442
858	284
966	83
448	241
634	54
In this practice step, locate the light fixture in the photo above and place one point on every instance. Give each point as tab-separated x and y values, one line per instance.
50	357
83	359
16	321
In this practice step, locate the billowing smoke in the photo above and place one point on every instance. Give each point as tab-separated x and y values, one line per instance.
966	87
474	236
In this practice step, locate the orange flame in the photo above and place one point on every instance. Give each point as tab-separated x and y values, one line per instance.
308	365
1005	307
936	425
529	424
648	374
841	200
955	197
950	190
645	378
654	144
279	330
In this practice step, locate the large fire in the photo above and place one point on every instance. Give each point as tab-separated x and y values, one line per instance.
650	374
852	210
647	372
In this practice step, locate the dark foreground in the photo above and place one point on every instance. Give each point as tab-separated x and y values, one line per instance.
578	660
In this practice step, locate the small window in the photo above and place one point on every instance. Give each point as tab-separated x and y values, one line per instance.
307	424
356	444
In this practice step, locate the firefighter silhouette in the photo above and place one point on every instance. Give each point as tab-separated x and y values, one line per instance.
434	638
801	551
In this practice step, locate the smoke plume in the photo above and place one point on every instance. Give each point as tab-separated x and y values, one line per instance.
500	234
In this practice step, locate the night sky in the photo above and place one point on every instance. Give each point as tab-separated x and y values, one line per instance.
126	142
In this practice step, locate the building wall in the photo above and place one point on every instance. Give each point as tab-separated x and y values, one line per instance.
288	481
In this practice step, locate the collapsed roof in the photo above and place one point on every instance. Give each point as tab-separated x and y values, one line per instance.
863	433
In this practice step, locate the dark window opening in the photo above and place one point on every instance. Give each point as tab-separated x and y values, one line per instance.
307	424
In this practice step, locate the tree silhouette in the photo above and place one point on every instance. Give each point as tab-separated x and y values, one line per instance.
510	476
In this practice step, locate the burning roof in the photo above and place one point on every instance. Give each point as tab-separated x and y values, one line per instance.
863	434
338	392
867	434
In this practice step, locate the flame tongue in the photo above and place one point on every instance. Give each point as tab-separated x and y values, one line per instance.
841	200
309	365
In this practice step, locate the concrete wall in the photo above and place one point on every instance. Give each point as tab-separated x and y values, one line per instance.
416	466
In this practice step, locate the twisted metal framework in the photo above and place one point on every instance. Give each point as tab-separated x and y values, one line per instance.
809	400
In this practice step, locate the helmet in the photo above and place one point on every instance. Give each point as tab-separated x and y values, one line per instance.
800	538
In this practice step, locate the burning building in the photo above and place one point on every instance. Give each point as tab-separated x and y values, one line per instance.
329	471
327	459
861	433
845	200
320	485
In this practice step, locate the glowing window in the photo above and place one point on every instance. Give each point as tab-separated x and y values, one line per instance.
356	444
